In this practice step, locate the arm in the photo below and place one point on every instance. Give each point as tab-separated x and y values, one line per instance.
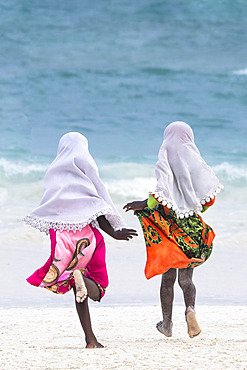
124	234
137	205
151	202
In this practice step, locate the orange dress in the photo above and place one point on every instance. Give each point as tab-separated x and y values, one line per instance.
172	242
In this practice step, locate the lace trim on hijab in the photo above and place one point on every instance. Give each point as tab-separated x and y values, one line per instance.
44	225
159	195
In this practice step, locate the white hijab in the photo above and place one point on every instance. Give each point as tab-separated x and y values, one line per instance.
184	181
73	193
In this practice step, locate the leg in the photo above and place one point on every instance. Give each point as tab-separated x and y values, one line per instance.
189	292
84	287
186	284
166	298
83	309
80	287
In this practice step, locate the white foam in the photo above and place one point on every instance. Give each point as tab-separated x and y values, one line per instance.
138	187
110	172
12	168
126	170
3	194
125	182
230	172
240	72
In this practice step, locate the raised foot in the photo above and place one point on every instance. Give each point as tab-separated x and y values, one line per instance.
81	290
165	328
193	327
94	345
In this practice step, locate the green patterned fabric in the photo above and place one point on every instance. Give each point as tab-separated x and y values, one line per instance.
191	233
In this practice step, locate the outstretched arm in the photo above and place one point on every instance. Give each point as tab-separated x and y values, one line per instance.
124	234
137	205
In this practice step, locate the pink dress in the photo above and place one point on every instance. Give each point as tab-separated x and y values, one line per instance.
81	250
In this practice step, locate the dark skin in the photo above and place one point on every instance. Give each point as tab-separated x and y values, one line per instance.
166	289
136	205
93	291
124	234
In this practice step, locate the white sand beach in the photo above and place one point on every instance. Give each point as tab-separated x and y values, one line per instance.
51	338
34	334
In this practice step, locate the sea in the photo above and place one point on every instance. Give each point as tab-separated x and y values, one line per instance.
118	72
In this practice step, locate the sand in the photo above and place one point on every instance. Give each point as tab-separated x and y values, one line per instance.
51	338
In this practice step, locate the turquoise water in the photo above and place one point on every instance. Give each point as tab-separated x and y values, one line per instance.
119	72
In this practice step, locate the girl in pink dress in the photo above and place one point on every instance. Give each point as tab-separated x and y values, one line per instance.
74	205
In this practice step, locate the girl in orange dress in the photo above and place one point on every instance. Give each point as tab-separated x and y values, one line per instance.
176	236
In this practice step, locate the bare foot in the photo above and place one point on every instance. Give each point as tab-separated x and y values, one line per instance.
165	328
94	345
193	327
81	290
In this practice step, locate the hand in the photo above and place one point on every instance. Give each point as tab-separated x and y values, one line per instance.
137	205
124	234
